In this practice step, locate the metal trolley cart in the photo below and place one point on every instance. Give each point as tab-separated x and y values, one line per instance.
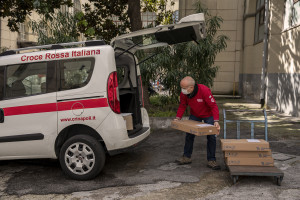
236	171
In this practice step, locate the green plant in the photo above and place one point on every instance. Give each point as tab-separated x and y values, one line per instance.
162	100
159	113
155	101
163	106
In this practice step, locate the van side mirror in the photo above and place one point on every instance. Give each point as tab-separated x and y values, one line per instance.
1	115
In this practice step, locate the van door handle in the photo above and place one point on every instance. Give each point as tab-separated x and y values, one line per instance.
1	115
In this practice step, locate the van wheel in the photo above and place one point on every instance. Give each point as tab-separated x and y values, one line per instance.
82	157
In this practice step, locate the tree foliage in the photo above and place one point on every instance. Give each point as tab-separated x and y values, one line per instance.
101	14
187	59
59	28
164	16
17	10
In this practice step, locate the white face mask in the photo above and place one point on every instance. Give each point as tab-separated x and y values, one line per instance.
184	91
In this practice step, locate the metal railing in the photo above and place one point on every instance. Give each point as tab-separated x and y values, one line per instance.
238	123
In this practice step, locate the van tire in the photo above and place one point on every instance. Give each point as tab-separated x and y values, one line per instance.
89	163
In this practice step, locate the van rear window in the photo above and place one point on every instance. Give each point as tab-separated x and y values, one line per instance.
75	73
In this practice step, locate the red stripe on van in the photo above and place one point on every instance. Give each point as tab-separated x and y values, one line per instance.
30	109
88	103
53	107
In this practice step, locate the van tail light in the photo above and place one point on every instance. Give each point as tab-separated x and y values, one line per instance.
113	93
142	91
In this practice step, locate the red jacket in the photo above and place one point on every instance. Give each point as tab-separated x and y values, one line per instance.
202	104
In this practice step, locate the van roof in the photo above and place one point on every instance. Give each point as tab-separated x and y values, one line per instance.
55	46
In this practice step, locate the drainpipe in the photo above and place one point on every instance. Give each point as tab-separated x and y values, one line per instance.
245	17
264	77
0	32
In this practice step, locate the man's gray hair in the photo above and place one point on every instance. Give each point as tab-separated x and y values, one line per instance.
189	80
192	82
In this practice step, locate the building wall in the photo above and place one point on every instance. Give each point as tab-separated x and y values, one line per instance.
8	39
283	86
283	61
251	68
13	40
229	60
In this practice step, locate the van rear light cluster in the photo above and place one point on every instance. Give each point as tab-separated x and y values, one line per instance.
113	93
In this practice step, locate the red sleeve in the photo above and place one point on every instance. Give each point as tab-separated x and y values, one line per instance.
211	102
182	105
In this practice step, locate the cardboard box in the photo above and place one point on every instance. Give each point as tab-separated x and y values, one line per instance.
250	161
195	127
244	145
128	119
248	154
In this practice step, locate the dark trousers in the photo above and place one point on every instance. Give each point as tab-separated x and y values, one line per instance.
211	140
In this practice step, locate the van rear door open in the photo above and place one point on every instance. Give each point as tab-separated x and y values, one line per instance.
189	28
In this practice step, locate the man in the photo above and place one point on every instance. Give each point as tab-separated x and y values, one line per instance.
203	108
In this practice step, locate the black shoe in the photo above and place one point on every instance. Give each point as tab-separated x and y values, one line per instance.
183	160
213	164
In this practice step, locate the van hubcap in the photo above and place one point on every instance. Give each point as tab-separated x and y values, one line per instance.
79	158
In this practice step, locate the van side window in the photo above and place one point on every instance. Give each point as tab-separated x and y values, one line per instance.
1	82
25	79
75	73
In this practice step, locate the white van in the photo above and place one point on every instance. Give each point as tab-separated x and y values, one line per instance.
68	103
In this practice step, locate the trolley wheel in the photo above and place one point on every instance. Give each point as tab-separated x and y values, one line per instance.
279	180
226	168
235	179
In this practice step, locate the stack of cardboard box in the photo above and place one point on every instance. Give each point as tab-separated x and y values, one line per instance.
247	152
195	127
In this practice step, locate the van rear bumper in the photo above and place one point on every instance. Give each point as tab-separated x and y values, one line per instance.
140	132
132	142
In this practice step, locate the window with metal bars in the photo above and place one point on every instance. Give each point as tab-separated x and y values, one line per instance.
259	21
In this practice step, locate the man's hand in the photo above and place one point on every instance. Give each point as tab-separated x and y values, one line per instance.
218	126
